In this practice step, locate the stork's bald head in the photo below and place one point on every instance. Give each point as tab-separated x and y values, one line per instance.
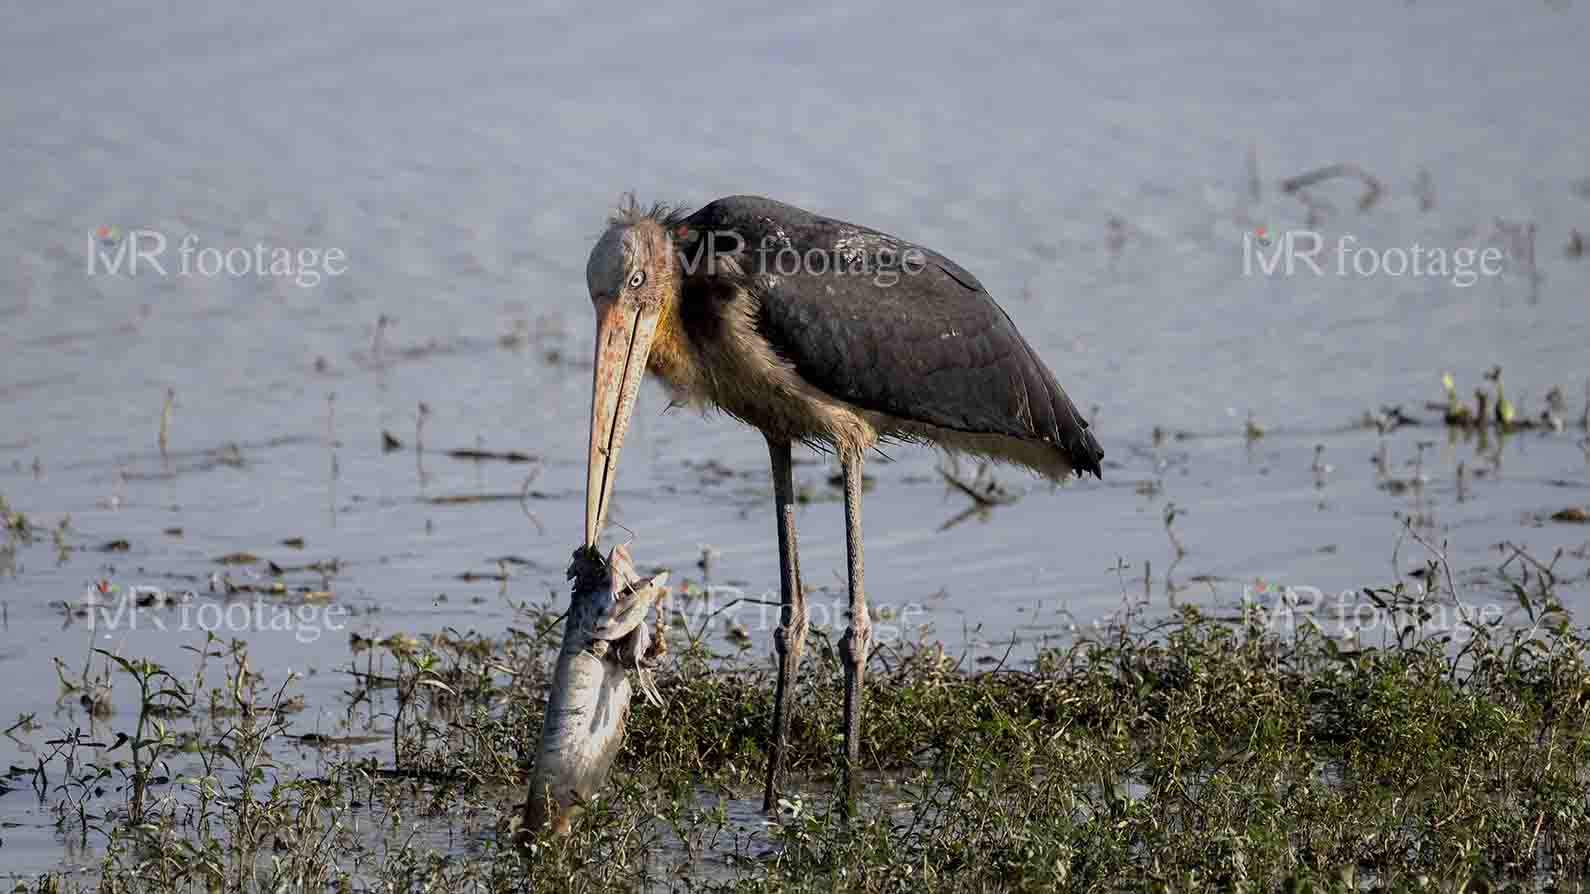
634	255
633	279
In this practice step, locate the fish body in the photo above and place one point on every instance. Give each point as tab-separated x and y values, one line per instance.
605	636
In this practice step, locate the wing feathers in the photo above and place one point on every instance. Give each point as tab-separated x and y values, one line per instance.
931	346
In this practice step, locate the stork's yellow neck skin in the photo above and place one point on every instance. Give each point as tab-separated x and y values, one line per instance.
672	358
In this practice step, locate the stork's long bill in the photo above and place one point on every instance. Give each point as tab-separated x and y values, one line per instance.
625	327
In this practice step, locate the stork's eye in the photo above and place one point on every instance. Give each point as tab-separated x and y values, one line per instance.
637	279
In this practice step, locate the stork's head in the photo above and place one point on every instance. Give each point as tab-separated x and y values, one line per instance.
633	278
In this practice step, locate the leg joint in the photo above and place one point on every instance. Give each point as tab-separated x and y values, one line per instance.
854	645
791	637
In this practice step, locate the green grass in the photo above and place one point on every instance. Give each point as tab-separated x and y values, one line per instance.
1181	754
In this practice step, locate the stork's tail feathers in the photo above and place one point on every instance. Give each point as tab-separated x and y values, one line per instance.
1056	419
1086	454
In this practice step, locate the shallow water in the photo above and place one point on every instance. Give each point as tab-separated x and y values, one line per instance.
462	161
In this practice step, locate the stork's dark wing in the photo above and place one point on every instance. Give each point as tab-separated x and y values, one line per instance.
893	327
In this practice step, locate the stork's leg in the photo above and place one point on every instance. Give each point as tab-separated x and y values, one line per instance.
854	646
790	637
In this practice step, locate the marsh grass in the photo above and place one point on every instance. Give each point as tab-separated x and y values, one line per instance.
1188	752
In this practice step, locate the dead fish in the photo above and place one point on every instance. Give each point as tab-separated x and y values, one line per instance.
605	636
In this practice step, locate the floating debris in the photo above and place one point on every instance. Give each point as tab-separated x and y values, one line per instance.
472	576
1321	468
465	499
316	740
1424	188
1252	430
325	566
1372	188
391	443
165	419
1390	418
145	596
983	489
1173	512
101	596
508	456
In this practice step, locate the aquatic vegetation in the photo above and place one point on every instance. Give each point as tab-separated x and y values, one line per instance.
1456	413
1499	412
1505	414
1188	752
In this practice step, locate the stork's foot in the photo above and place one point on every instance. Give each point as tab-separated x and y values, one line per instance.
854	647
788	642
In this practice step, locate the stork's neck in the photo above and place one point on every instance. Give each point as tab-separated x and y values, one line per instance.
673	357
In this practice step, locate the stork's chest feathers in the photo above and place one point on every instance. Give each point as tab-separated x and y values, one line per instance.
672	360
700	346
713	353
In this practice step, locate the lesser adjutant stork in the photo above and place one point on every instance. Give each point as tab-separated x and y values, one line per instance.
817	331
